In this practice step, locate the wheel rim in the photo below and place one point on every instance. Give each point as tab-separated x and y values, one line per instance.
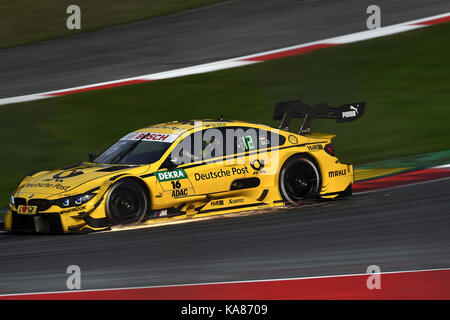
300	181
126	204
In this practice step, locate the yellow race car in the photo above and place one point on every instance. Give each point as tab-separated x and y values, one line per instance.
189	169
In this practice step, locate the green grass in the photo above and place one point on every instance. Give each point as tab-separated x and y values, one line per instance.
404	79
24	21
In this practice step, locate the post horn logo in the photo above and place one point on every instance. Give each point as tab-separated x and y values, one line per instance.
65	175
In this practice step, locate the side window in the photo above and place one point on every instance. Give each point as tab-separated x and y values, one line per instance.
185	151
217	142
199	146
240	139
213	143
249	141
268	139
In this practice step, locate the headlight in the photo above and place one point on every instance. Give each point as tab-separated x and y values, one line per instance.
11	200
74	200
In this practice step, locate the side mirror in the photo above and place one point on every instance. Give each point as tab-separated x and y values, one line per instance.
92	156
169	164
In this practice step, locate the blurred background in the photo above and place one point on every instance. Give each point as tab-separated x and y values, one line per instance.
404	78
27	21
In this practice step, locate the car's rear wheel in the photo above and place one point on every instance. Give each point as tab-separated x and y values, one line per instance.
299	180
126	203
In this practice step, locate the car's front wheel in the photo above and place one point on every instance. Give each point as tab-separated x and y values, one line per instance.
299	180
126	203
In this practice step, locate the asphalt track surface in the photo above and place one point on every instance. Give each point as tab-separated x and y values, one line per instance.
401	228
227	30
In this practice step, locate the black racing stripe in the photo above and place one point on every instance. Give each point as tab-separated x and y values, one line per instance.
247	153
97	223
71	167
148	175
234	207
330	194
117	176
263	195
77	227
235	156
201	207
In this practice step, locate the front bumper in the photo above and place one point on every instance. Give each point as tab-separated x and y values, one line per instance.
40	223
79	220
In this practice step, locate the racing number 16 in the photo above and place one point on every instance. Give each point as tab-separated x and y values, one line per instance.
176	184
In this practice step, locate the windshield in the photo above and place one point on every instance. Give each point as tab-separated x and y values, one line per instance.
137	148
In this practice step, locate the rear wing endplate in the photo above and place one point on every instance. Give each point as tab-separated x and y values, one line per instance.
287	110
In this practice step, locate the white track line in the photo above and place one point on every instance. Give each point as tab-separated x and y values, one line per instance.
235	62
444	166
401	186
226	282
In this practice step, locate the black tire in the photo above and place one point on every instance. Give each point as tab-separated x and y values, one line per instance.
299	180
126	203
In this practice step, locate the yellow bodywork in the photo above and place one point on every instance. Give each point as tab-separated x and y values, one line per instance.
203	187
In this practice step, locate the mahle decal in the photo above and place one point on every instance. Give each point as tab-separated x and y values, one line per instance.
171	175
337	173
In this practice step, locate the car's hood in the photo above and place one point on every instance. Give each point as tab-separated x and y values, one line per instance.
82	176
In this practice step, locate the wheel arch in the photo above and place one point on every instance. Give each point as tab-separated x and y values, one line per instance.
135	179
306	155
138	180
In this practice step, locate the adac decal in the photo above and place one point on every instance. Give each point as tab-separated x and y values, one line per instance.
220	173
315	147
337	173
171	175
180	193
177	190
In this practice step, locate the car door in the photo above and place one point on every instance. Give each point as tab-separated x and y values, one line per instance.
208	170
200	166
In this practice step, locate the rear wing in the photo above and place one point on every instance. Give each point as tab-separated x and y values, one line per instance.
287	110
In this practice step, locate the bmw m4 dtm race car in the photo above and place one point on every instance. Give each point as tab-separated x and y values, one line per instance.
189	169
